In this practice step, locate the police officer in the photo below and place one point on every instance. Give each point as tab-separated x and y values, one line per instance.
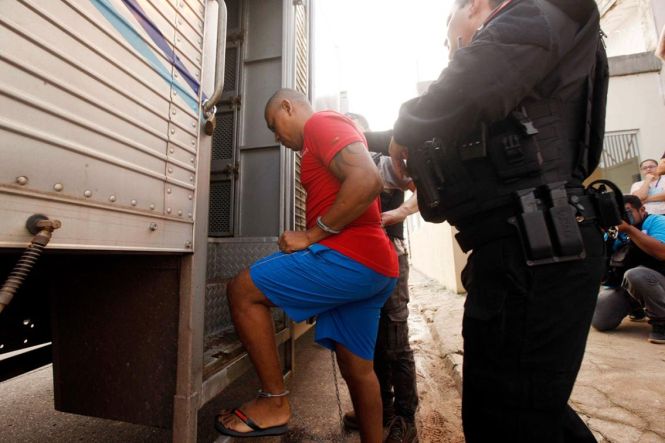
517	120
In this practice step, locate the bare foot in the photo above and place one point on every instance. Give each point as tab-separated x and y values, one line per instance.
266	413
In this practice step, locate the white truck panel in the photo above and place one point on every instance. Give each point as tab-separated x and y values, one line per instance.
100	121
89	226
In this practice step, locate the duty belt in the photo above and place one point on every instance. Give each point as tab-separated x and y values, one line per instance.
493	226
545	220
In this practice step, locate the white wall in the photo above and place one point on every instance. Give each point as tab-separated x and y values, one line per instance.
630	28
658	7
659	15
435	252
636	102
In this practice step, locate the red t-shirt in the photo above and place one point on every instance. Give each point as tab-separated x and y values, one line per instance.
363	240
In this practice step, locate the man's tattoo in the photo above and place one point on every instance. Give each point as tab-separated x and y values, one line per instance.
341	158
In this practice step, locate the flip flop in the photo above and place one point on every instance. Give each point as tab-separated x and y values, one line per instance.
256	431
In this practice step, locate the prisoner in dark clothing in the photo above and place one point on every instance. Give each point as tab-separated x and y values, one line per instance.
393	358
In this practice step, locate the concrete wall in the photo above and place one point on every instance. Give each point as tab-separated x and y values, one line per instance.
636	99
659	16
630	29
636	102
633	27
658	7
435	252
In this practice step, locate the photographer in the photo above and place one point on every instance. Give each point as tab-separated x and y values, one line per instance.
635	280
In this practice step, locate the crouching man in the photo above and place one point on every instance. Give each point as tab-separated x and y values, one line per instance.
636	274
342	269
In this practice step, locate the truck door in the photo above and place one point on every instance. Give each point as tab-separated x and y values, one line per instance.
255	193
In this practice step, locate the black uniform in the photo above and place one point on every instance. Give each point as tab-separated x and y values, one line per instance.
525	327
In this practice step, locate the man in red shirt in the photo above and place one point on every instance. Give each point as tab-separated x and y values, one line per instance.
342	269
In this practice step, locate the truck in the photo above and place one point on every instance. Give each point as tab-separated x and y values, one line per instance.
137	177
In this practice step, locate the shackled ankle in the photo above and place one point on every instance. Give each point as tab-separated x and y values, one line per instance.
264	394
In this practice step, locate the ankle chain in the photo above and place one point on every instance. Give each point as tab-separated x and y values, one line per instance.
263	394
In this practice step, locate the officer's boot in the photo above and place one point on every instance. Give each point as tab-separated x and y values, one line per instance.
402	431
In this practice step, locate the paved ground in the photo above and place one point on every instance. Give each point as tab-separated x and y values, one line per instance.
27	414
620	390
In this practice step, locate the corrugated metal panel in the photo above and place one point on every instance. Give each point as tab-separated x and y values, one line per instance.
302	85
99	106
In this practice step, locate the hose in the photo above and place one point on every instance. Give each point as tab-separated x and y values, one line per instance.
42	228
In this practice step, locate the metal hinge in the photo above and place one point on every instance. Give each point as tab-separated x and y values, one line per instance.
235	37
231	169
233	102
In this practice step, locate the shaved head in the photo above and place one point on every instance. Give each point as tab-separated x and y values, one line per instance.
286	113
467	16
295	97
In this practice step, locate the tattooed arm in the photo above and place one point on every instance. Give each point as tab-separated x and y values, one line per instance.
361	184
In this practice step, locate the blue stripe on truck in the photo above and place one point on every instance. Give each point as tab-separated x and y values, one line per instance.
159	39
133	38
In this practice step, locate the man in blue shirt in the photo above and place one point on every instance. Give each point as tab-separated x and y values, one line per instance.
640	251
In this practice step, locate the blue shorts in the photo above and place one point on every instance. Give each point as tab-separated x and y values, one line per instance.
345	295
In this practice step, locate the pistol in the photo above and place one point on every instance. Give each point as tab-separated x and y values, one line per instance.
420	167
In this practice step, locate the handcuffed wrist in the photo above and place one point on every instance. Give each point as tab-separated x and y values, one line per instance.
326	228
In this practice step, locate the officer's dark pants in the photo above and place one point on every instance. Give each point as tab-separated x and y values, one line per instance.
393	357
525	330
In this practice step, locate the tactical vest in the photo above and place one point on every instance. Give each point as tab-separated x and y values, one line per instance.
540	142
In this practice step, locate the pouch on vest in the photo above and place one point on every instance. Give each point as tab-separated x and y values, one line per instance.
547	225
513	148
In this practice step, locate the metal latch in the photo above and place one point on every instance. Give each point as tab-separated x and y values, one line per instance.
234	101
231	169
235	37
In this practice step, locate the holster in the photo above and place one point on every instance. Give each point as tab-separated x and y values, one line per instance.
447	177
607	200
441	179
